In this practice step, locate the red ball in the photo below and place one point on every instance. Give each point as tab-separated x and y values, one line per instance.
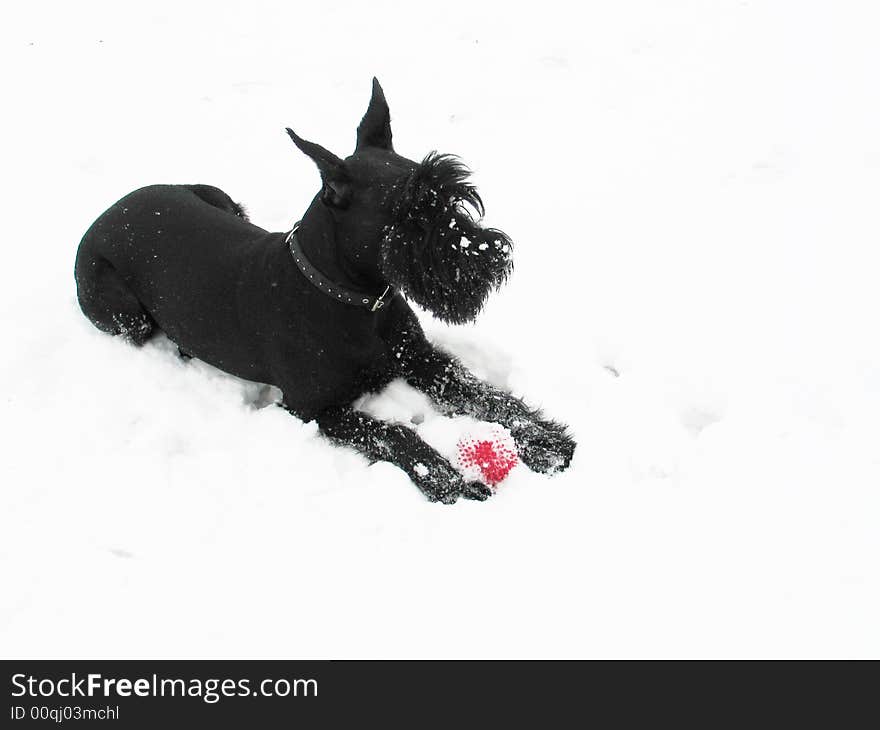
488	459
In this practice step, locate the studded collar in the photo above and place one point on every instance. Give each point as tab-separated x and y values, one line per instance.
331	288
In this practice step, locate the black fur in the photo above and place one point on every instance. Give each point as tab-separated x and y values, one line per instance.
434	249
185	259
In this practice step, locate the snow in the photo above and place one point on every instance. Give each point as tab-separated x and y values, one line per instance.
421	469
691	189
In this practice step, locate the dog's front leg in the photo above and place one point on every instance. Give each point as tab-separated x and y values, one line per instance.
381	441
544	446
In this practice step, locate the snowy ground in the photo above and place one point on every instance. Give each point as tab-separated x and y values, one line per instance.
692	189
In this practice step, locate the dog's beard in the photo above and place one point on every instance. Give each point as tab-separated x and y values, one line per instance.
435	251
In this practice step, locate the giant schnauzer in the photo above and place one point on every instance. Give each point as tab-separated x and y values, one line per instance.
321	311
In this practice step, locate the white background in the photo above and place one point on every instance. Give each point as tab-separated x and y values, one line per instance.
692	188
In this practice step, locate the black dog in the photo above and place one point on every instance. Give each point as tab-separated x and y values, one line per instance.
318	311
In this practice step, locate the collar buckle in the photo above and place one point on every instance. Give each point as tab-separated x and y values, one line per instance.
379	303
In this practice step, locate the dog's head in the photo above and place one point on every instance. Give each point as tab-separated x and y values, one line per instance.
413	225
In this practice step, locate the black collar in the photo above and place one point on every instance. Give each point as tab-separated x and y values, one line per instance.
331	288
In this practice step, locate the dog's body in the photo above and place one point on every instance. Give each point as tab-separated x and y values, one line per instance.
229	293
185	259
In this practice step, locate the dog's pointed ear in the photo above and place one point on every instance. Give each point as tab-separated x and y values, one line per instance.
375	128
337	183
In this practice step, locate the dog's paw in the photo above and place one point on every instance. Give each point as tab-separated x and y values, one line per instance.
440	482
476	490
544	446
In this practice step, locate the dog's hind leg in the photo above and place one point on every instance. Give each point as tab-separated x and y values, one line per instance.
543	445
106	300
380	441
